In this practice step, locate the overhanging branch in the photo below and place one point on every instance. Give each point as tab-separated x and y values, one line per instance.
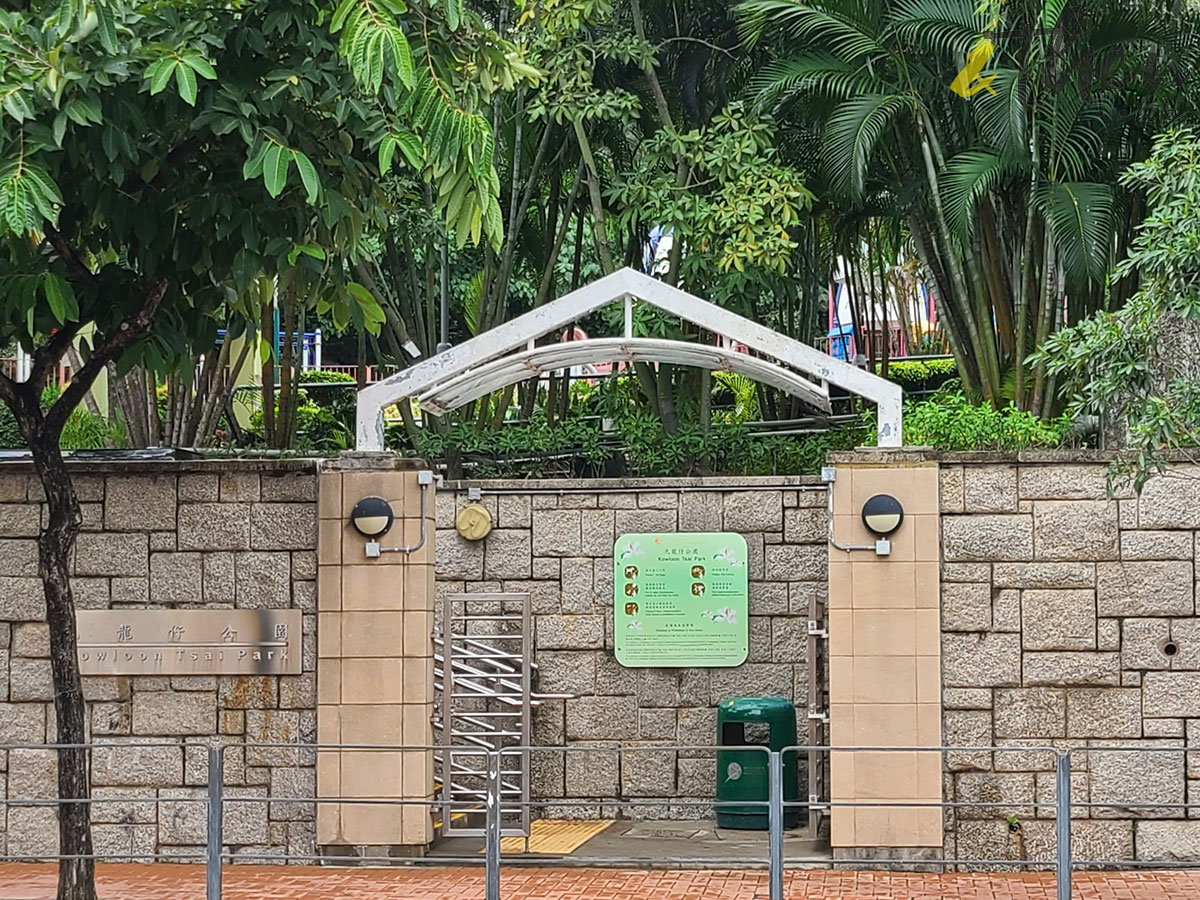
109	349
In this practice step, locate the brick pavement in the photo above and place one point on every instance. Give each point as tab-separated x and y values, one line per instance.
182	882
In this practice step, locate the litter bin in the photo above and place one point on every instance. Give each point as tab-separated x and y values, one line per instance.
766	722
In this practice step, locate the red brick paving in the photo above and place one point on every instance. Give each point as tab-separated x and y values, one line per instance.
182	882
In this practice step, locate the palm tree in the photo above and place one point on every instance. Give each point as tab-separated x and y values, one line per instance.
1010	194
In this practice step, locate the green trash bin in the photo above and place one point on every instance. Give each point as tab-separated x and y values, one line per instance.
744	774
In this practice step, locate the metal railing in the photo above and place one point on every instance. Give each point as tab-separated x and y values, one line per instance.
499	804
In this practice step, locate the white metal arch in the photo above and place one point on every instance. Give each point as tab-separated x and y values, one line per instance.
500	373
484	363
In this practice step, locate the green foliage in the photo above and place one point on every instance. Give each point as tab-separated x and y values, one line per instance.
1011	196
320	427
921	375
212	146
83	430
737	207
952	422
638	447
324	376
1137	366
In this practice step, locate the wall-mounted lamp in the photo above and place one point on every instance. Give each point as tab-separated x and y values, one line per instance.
882	514
372	517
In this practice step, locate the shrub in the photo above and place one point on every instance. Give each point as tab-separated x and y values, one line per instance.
950	421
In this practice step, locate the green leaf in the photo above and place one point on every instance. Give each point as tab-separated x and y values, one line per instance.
387	147
60	128
253	166
275	168
60	297
108	27
851	134
401	56
16	105
308	175
185	78
159	74
201	66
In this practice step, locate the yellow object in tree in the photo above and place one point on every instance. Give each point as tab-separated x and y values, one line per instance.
968	82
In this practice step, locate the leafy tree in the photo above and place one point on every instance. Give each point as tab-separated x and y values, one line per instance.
1139	367
157	161
1010	195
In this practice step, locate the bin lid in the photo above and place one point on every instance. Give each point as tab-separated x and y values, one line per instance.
755	707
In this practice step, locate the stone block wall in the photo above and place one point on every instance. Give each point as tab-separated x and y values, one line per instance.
1069	620
165	535
554	540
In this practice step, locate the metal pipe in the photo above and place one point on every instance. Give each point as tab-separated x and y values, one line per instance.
492	890
832	541
775	825
649	489
1062	868
424	524
212	874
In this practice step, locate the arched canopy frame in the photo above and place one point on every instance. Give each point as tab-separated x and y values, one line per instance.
507	354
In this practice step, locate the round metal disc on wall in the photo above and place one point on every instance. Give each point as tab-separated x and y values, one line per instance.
473	522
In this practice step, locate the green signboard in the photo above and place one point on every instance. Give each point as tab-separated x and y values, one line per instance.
680	599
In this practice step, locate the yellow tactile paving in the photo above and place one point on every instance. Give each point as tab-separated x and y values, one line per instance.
555	836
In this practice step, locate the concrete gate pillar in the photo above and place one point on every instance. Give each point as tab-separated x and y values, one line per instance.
885	659
375	658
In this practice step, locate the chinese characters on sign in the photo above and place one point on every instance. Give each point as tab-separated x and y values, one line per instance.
680	600
190	642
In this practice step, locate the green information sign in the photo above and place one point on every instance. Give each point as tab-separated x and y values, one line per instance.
680	600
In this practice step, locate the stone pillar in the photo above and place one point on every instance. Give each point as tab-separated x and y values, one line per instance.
885	661
375	659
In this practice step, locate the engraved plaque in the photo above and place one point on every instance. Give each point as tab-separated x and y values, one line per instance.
190	642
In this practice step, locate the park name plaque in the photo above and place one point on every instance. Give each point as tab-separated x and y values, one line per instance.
190	642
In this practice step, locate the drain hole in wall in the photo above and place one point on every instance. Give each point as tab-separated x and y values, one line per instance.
1170	648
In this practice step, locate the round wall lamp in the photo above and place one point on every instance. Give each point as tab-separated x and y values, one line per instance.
372	517
882	514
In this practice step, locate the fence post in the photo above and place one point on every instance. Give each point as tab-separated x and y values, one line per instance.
492	827
1062	822
775	824
216	792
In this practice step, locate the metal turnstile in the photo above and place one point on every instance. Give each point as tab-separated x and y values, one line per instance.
482	665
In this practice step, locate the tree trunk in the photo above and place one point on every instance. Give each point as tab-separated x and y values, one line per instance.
76	870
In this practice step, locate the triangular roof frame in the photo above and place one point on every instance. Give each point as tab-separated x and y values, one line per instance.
624	285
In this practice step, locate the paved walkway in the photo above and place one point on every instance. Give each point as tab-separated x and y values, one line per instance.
186	882
176	882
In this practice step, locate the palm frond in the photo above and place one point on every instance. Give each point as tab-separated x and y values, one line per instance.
969	176
834	29
851	134
1002	116
1079	215
819	73
940	27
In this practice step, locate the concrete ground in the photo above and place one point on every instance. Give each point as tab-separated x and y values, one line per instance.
670	844
180	882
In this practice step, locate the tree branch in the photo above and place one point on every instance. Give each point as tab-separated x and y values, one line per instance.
68	255
129	331
8	390
46	357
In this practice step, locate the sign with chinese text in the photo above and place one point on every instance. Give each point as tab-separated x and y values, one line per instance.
190	642
680	600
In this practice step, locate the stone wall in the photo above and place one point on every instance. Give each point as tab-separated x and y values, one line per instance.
1069	620
180	535
554	540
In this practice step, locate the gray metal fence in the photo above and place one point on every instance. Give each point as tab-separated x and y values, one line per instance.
497	806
